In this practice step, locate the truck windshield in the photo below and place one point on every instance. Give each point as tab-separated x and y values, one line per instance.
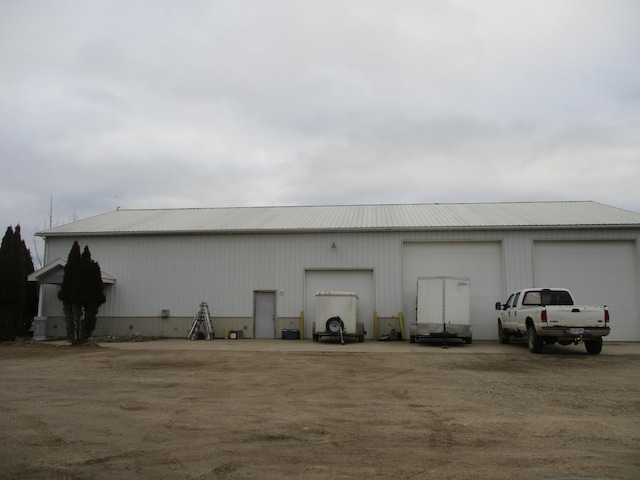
548	297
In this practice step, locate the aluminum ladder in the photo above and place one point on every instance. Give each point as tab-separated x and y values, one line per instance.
202	318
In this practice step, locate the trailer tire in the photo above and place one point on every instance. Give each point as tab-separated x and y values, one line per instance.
316	337
412	339
594	347
468	340
334	325
534	342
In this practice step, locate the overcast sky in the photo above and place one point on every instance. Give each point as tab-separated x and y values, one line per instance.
167	104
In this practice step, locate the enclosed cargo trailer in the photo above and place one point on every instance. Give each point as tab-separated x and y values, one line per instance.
337	316
442	309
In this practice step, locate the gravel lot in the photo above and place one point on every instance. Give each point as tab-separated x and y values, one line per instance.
176	409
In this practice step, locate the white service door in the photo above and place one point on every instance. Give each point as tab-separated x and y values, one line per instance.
265	315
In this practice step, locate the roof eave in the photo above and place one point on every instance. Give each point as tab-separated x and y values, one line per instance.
437	228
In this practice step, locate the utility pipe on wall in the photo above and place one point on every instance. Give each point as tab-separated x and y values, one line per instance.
375	325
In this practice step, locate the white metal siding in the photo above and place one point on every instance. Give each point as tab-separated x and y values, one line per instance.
481	262
177	272
597	273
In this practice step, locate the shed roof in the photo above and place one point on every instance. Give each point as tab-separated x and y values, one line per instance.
53	274
579	214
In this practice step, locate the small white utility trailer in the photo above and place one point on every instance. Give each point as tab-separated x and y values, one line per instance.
337	316
442	309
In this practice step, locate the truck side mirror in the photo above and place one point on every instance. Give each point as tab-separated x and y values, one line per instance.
498	306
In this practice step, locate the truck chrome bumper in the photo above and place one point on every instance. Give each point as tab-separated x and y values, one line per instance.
574	332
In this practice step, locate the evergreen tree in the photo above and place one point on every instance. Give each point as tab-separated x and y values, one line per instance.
82	293
31	292
70	294
5	252
12	284
94	291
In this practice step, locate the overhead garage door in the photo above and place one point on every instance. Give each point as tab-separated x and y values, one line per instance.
479	261
358	281
597	273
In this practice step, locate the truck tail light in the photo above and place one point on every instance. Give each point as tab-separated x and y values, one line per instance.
543	316
606	316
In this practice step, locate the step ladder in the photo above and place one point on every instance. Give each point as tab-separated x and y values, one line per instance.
202	319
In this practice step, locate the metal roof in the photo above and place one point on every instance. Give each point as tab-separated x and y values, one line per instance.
579	214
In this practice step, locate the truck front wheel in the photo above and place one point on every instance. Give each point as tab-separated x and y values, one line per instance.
594	347
502	335
534	342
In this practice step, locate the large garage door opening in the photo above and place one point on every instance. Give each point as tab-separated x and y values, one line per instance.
597	273
358	281
479	261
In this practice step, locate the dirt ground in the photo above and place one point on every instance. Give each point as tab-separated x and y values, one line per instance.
316	412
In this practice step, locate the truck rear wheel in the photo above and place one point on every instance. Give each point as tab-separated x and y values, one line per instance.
534	342
594	347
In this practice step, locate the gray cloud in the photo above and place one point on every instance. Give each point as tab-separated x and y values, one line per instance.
198	103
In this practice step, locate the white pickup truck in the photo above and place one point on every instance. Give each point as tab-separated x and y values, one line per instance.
549	315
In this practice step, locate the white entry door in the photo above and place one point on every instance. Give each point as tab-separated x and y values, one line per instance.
265	314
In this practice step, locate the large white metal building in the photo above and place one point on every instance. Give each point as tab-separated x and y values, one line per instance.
259	269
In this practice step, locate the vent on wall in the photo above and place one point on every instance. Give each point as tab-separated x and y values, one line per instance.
165	313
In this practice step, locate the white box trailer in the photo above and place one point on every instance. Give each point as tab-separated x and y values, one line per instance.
337	316
442	309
